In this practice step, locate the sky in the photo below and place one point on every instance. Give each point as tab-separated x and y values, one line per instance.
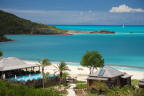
78	12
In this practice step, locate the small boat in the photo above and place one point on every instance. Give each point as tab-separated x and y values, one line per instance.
123	25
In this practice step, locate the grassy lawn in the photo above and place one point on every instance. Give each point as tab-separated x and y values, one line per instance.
80	81
135	82
61	88
81	85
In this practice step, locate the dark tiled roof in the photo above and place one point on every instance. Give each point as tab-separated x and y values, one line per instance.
108	72
93	78
126	76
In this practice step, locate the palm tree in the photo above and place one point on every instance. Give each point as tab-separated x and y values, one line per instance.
44	62
61	68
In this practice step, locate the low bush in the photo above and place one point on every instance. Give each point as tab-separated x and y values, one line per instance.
8	89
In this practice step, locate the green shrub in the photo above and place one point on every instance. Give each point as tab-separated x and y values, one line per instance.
98	85
80	81
135	82
117	91
7	89
81	85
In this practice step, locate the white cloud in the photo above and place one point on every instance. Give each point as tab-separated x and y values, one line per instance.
78	17
125	8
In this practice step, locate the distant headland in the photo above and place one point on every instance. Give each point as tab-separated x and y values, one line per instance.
13	25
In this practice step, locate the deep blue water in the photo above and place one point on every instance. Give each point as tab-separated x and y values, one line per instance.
121	48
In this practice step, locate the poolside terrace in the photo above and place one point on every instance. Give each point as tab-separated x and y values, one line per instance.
12	67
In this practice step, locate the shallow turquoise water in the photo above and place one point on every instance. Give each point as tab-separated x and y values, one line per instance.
30	77
121	48
117	29
27	77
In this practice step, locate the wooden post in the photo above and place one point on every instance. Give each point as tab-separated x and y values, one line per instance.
19	72
118	81
88	85
2	76
39	68
43	75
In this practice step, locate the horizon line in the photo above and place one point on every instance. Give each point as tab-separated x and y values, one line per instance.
88	25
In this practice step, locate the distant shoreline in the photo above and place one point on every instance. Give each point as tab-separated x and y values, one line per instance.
92	25
81	72
91	32
113	65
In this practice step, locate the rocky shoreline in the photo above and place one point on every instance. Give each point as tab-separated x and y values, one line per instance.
103	31
5	39
92	32
69	32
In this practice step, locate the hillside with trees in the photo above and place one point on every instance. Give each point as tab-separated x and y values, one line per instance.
11	24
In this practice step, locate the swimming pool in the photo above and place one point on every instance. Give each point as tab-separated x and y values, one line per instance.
30	77
26	78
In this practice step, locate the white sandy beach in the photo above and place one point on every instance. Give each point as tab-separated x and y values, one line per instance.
81	73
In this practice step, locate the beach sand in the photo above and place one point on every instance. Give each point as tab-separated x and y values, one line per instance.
81	73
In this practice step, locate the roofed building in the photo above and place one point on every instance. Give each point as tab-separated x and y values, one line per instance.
141	83
12	66
110	76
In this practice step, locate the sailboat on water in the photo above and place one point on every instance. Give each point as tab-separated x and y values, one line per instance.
123	25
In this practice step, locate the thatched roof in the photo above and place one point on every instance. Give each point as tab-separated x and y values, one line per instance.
107	72
12	63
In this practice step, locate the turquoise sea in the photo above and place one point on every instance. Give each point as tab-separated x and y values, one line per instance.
122	48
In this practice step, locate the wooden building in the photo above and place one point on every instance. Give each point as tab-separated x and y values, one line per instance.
141	83
12	66
110	76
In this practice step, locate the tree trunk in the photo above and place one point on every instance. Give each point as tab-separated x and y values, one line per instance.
60	77
2	76
90	70
43	76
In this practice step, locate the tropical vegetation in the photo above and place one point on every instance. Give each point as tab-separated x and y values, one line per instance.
8	89
61	68
101	89
100	86
92	60
44	62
